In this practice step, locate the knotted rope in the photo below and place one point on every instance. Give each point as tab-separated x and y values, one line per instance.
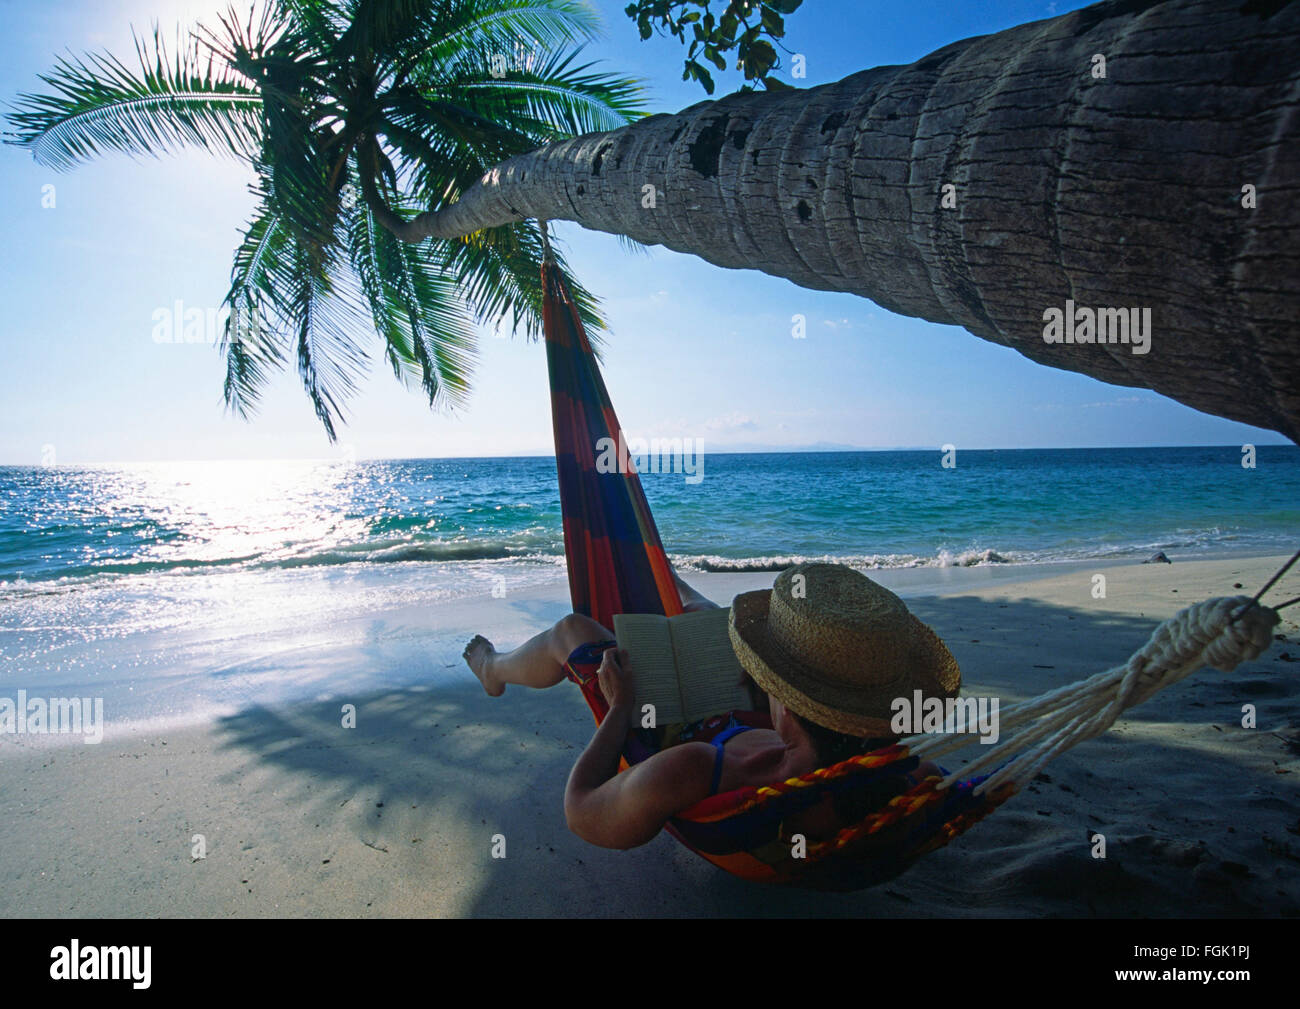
1221	633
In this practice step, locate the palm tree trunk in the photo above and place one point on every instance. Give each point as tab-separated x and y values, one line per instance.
1115	191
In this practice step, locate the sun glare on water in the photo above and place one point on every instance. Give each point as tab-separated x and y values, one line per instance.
231	511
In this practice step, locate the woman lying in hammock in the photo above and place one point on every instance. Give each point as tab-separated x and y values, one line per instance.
826	650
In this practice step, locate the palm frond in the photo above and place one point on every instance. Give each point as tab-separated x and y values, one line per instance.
444	147
247	369
250	343
390	321
446	343
97	104
631	245
410	101
420	314
297	167
326	313
441	120
499	270
563	99
385	28
466	121
319	22
286	299
504	28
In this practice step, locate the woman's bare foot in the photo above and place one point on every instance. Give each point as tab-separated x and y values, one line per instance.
479	654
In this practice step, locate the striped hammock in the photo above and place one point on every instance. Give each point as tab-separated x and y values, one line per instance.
617	564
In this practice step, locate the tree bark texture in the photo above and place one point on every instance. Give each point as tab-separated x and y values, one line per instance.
1115	191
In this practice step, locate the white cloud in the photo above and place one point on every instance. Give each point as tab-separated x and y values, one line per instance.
729	423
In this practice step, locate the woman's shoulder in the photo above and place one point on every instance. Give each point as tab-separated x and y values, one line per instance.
683	772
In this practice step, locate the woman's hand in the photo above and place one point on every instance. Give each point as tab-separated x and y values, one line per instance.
617	683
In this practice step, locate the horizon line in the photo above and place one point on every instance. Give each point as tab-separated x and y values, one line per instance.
791	450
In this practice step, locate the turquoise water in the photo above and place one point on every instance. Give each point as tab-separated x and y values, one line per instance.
749	512
178	593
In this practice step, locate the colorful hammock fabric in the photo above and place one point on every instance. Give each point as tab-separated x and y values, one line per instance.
617	564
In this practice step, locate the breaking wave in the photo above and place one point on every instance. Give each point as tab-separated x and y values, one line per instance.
941	559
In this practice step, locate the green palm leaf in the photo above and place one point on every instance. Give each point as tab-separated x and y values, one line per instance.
97	104
407	101
420	313
251	344
500	272
561	99
285	300
321	23
502	28
325	310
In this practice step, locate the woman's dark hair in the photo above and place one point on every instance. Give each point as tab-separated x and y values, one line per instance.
853	804
831	747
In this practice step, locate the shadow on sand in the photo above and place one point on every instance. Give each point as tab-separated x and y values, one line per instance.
429	776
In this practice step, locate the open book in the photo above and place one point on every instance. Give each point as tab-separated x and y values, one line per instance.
684	665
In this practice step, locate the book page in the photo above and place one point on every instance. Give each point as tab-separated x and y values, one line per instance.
649	647
708	672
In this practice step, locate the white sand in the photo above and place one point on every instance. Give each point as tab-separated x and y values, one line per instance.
397	816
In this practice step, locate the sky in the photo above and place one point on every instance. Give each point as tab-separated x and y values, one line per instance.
694	350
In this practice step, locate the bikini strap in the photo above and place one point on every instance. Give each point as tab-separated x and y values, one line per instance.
717	770
718	742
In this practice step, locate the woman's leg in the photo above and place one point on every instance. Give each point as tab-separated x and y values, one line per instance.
539	661
692	600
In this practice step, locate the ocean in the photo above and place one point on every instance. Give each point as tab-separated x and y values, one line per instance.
184	587
750	512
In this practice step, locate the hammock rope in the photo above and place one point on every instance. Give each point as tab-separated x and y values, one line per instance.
1277	575
1203	634
544	229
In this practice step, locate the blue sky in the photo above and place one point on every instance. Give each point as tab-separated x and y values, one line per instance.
695	351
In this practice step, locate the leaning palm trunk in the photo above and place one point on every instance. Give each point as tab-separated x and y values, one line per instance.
1115	191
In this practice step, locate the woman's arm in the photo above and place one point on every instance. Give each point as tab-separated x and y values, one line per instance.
599	761
615	810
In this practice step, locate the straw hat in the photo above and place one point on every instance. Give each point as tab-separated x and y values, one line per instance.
833	646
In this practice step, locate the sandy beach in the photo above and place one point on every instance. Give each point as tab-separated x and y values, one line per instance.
300	816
